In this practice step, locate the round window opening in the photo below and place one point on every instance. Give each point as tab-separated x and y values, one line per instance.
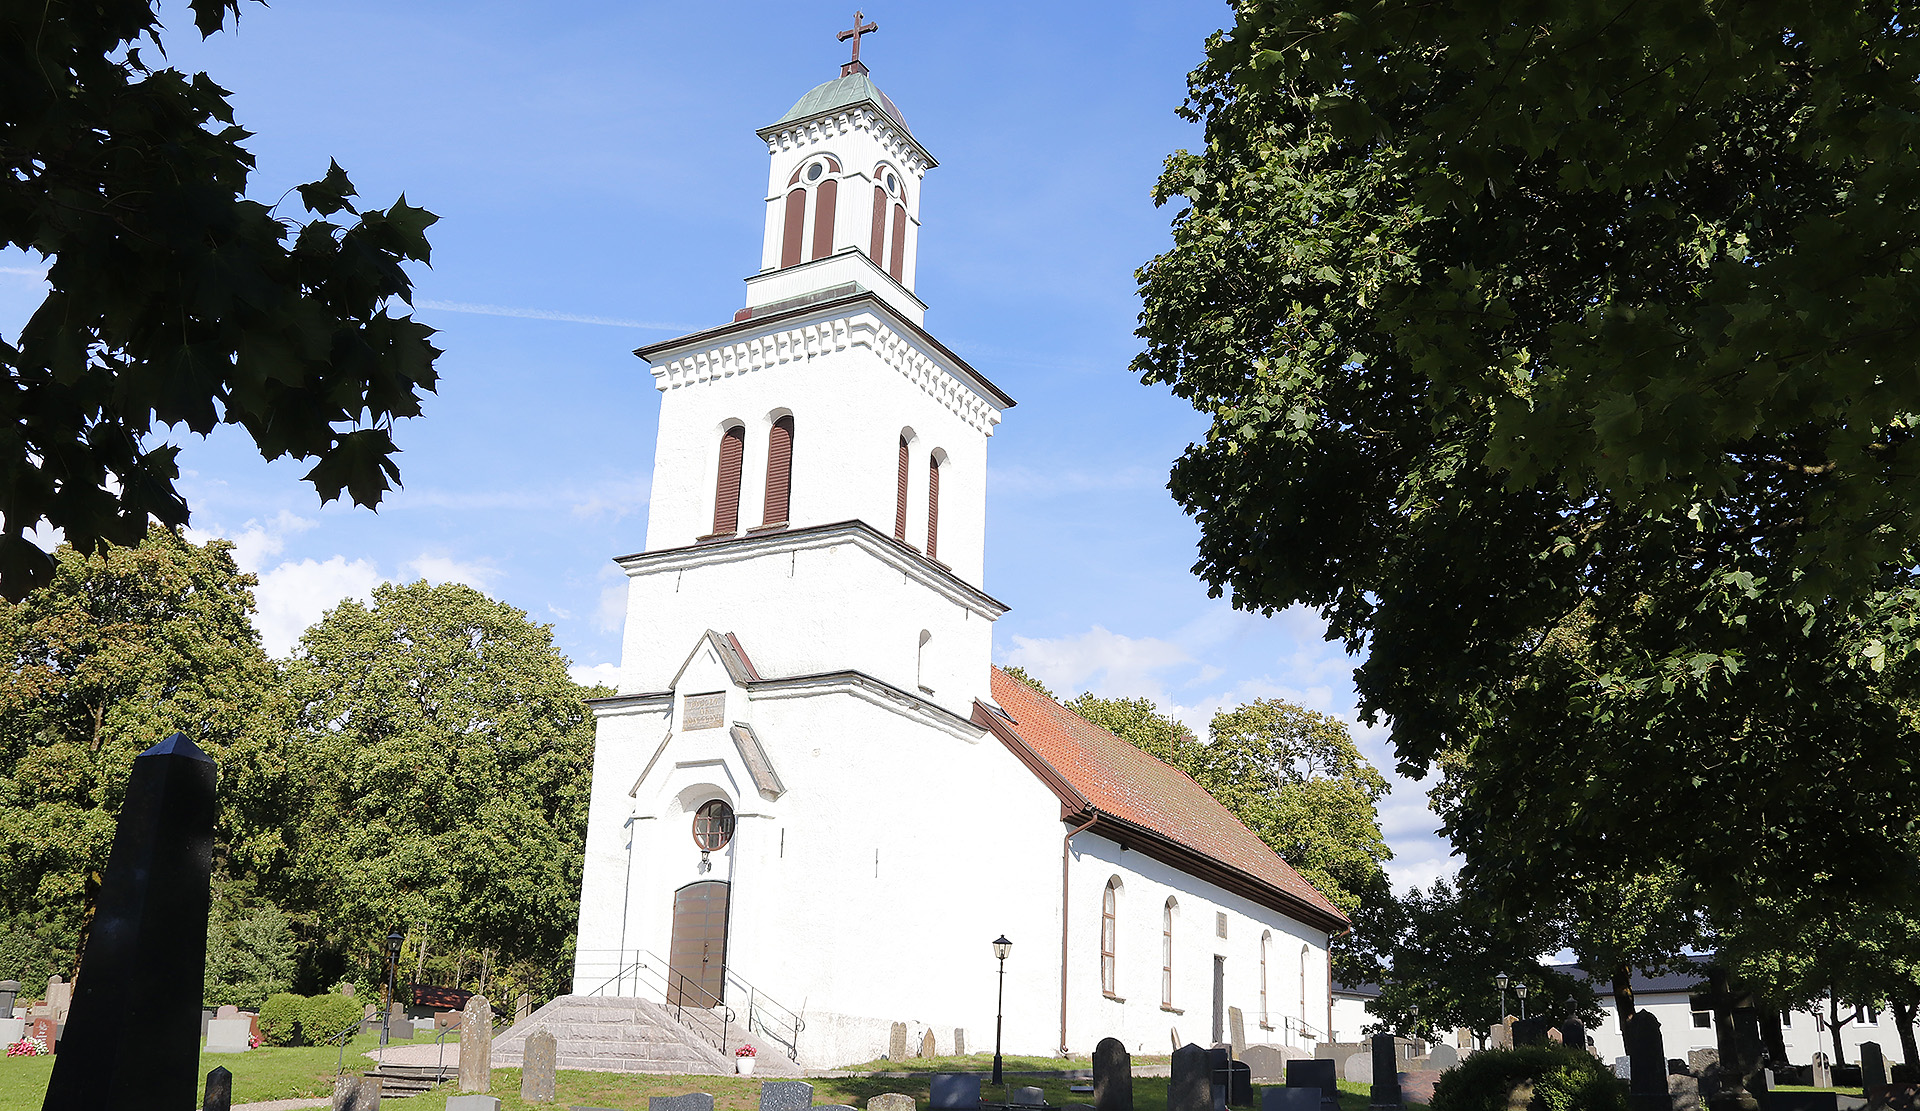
713	825
892	185
813	172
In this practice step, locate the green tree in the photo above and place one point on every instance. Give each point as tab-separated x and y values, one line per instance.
445	758
1138	722
250	955
1555	354
119	650
175	300
1019	674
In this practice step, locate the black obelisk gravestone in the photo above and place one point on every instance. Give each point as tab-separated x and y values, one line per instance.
133	1036
219	1091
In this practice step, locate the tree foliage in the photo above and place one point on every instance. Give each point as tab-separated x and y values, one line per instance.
445	758
1560	356
175	300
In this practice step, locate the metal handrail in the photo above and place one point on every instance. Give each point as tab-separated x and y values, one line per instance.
709	1016
770	1018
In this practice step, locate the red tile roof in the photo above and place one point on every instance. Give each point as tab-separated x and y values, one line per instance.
1120	781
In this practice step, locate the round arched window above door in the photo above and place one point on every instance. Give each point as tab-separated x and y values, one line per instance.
713	825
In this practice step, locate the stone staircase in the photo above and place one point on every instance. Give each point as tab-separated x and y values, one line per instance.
630	1035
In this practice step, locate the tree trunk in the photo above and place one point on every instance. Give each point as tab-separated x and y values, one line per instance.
420	966
1903	1014
1623	991
1833	1027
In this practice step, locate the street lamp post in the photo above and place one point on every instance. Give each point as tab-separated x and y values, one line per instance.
1521	991
1500	981
394	941
1001	947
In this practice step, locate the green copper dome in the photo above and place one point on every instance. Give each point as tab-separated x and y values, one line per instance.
841	92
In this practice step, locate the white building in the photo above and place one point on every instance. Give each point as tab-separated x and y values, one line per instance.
814	793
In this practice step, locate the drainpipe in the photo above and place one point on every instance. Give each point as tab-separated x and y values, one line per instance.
1066	855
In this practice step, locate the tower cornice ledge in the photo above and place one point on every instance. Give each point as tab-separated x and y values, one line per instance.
886	549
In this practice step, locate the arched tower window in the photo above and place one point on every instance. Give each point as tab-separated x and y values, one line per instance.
933	506
900	496
826	200
726	495
779	472
887	246
896	261
795	232
877	249
1109	919
1166	953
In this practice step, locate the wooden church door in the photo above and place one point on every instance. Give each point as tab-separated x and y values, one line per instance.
697	957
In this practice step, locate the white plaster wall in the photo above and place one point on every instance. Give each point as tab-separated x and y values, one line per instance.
624	739
1803	1039
1350	1019
1137	1018
853	383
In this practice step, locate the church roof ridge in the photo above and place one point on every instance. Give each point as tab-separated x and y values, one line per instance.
1133	787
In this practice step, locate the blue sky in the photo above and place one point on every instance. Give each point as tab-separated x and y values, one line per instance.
600	186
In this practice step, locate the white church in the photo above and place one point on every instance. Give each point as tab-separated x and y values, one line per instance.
815	800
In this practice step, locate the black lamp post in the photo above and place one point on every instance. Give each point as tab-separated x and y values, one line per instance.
1001	947
1500	981
1521	991
394	941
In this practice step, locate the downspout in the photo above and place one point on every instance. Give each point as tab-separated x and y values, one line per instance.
1066	855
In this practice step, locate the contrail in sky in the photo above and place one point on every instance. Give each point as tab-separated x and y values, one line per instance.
542	314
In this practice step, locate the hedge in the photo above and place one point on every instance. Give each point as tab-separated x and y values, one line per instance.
1563	1079
288	1019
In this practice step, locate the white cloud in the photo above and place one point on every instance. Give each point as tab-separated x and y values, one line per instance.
442	569
543	314
293	596
588	675
1124	666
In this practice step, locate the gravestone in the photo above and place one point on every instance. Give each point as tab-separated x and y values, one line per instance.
59	997
1190	1080
951	1091
356	1093
1822	1071
1683	1093
897	1043
1386	1076
1027	1097
1112	1076
927	1046
959	1041
1239	1084
1554	1037
476	1048
787	1095
1175	1031
1501	1036
1678	1067
1699	1059
1267	1062
229	1035
1573	1033
12	1030
522	1006
1358	1069
887	1101
227	1011
43	1029
1647	1086
446	1020
1530	1031
692	1101
473	1103
1274	1098
219	1095
9	991
1237	1031
346	990
1318	1074
1462	1038
1873	1066
1442	1057
538	1061
1219	1073
1623	1068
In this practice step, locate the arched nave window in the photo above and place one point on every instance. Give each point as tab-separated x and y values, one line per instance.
1109	913
726	494
779	472
933	506
1303	983
1266	946
1166	954
900	496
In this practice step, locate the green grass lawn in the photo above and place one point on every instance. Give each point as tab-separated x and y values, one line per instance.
259	1074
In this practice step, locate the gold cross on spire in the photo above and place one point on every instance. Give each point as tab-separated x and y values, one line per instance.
858	29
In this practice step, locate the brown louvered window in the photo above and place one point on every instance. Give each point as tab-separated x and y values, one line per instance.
900	497
796	229
824	203
896	264
878	250
933	508
779	472
726	496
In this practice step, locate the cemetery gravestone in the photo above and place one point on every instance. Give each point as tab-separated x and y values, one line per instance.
43	1029
1647	1085
229	1035
473	1103
1386	1077
1699	1059
1219	1074
1442	1057
9	991
59	997
523	1006
787	1095
1237	1031
1623	1068
1239	1084
1822	1071
1274	1098
1501	1036
897	1042
541	1057
228	1011
1358	1069
1873	1066
1683	1093
1190	1080
693	1101
1573	1033
1267	1063
12	1030
954	1092
219	1095
1554	1037
959	1041
888	1101
1317	1074
927	1046
446	1020
1530	1031
1112	1076
1027	1097
356	1093
476	1048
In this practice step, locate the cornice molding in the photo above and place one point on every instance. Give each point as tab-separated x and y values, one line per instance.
854	117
